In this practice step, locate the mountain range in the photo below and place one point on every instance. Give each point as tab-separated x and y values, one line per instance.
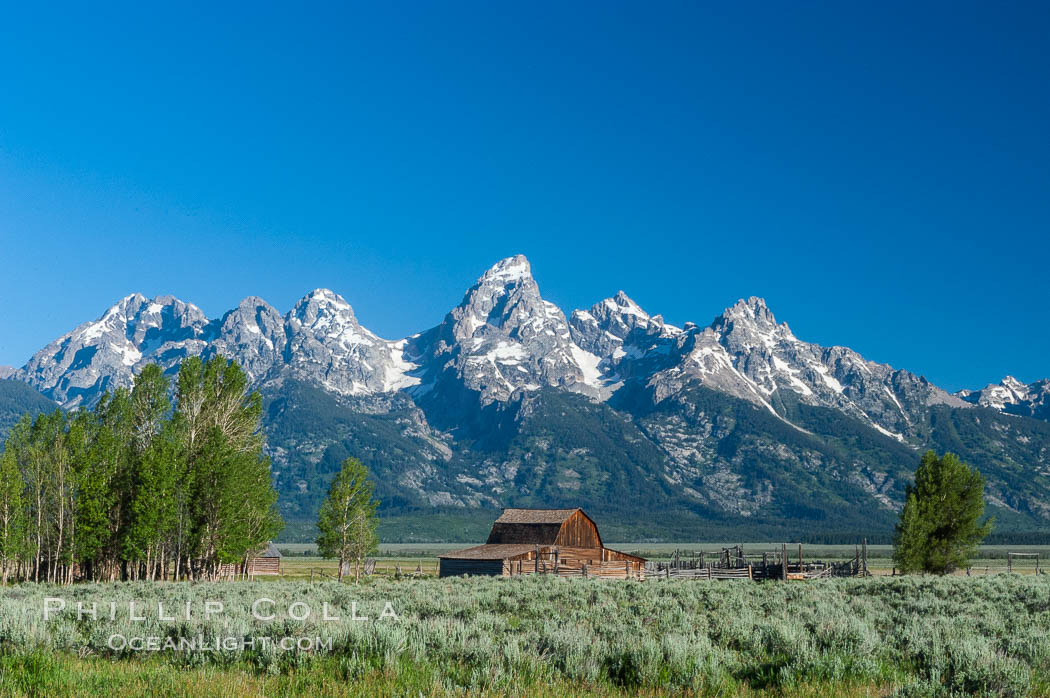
734	428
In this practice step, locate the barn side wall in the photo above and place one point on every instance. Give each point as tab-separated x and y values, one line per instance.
450	567
578	531
266	565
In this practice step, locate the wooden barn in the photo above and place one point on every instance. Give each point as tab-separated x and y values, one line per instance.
542	541
266	561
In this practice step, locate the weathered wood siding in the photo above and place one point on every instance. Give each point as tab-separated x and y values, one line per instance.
617	555
259	565
580	532
266	565
451	567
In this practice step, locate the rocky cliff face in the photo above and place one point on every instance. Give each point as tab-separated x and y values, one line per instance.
503	338
747	354
101	355
329	347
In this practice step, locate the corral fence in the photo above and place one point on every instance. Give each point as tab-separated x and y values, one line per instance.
736	563
1016	563
575	562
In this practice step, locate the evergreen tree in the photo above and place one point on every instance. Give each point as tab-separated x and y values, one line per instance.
347	520
940	526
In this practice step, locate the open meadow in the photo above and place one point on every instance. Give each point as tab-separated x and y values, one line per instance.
916	636
301	558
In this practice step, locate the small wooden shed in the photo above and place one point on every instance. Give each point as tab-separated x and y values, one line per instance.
266	561
551	541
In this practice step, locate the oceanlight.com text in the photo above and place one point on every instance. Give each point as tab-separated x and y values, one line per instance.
217	643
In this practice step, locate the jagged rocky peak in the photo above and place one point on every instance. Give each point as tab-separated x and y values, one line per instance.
620	314
509	270
503	337
6	372
322	309
614	322
168	319
746	353
502	301
328	346
253	334
104	353
751	314
749	325
505	300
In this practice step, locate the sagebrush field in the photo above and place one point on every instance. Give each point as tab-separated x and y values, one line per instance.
910	636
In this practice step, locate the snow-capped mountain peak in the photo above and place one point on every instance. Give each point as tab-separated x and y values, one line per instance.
1013	396
509	270
622	304
754	319
105	352
504	337
324	314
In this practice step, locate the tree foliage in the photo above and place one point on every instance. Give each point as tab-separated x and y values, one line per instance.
940	526
347	520
139	487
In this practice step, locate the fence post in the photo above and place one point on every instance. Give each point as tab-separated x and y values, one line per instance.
800	557
1009	562
784	561
311	575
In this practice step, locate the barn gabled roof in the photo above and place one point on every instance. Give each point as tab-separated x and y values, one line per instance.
536	516
542	526
270	551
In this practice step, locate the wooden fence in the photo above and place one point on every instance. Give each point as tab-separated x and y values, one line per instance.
569	567
735	563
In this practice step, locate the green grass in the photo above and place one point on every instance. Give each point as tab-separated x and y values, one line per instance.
551	636
62	675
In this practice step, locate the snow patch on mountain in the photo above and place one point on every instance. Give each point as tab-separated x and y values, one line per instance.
1013	397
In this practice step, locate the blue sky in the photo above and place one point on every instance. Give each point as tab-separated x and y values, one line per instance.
880	173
